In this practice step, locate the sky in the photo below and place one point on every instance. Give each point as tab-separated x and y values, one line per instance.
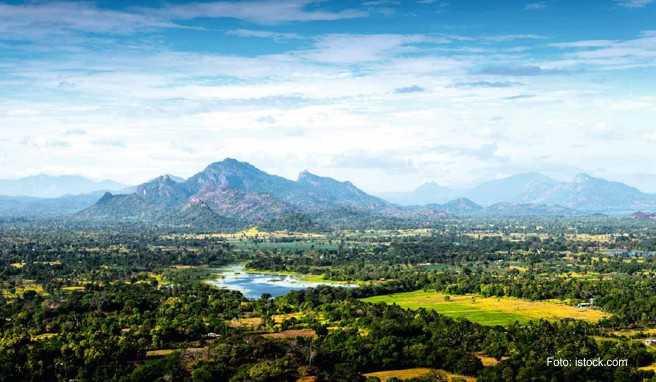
388	94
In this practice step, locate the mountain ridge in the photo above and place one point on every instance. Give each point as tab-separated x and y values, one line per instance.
238	191
55	186
231	193
584	193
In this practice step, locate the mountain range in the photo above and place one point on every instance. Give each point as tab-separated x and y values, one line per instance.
232	194
48	186
31	207
584	194
644	216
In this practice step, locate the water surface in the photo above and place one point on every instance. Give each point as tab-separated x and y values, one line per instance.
254	284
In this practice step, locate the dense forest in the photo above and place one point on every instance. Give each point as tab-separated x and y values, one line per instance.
129	304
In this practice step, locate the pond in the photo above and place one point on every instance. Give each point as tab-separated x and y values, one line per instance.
254	284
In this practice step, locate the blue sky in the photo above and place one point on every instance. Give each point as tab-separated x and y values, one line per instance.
388	94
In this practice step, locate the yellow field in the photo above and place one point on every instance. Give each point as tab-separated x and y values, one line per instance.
26	285
180	266
160	352
651	367
254	322
486	360
633	332
596	238
374	233
309	378
157	276
280	318
415	373
249	233
293	333
251	323
483	235
75	288
489	310
44	336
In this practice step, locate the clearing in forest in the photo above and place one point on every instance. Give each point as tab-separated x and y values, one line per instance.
416	373
488	310
292	333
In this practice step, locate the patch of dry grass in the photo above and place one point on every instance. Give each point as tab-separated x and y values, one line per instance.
293	333
415	373
486	360
251	323
160	352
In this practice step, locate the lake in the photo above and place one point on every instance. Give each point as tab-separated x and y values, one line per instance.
254	284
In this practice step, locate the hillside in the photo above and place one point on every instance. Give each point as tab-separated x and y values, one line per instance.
532	192
238	193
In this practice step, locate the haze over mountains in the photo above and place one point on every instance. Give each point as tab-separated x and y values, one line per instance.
48	186
48	195
584	193
231	193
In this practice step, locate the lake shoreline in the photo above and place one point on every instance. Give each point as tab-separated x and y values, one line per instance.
253	283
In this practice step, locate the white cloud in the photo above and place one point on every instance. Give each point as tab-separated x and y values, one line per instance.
38	20
583	44
378	3
350	48
437	3
277	36
41	20
513	37
638	52
537	6
259	11
634	3
347	98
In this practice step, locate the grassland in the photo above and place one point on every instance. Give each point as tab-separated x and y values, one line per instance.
638	333
255	322
486	360
651	367
416	373
21	288
160	352
488	310
293	333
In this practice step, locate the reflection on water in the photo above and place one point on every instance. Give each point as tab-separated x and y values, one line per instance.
253	284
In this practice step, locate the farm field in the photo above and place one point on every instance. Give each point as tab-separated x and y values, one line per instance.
290	334
488	310
418	372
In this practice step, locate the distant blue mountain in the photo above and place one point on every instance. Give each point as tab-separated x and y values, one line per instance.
427	193
232	193
520	188
47	186
533	193
26	206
